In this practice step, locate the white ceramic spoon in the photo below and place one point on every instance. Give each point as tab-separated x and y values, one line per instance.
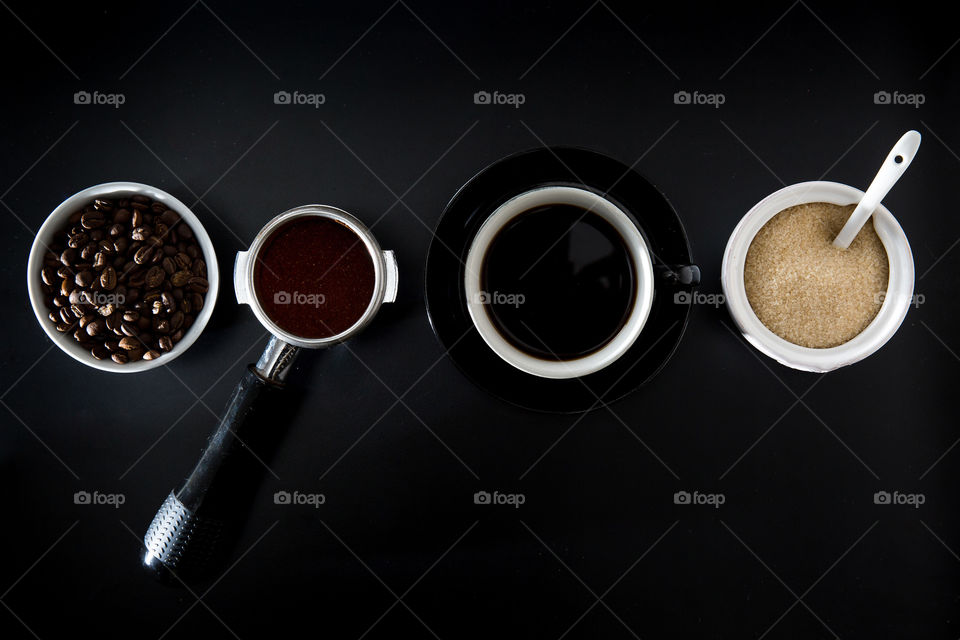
893	167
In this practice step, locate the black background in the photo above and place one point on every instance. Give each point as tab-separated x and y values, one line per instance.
399	520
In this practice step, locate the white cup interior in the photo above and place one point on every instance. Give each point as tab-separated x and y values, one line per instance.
47	235
643	273
896	301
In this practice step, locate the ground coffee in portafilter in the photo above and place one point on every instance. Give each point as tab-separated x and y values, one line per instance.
560	282
314	277
125	277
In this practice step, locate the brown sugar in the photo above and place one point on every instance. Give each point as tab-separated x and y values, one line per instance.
803	288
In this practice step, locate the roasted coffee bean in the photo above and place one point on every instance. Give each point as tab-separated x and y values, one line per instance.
102	204
66	316
161	325
169	303
196	301
176	320
77	311
107	309
137	219
99	352
63	327
151	355
49	276
78	240
129	343
180	278
87	319
168	265
185	231
99	260
140	233
156	307
130	316
112	345
68	257
154	277
177	336
144	254
119	358
67	286
116	230
92	219
120	245
107	247
113	322
108	279
129	329
80	335
165	343
54	316
122	216
170	217
199	268
84	279
97	327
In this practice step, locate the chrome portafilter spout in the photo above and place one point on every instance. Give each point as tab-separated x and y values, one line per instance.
198	523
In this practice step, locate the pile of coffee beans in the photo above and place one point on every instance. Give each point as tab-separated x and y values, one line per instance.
126	280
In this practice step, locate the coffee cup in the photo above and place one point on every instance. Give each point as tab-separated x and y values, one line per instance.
628	270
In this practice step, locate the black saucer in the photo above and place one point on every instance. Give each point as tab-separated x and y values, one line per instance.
476	200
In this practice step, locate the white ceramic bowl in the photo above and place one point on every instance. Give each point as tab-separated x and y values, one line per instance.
643	269
55	223
896	301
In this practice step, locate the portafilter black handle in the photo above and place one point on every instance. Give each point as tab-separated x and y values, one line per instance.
193	530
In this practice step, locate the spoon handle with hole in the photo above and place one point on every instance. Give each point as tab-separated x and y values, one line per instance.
893	167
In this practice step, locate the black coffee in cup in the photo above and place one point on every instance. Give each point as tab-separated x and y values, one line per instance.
559	282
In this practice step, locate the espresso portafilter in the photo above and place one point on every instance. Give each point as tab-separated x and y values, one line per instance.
192	533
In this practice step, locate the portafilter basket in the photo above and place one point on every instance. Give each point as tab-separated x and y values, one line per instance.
190	533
